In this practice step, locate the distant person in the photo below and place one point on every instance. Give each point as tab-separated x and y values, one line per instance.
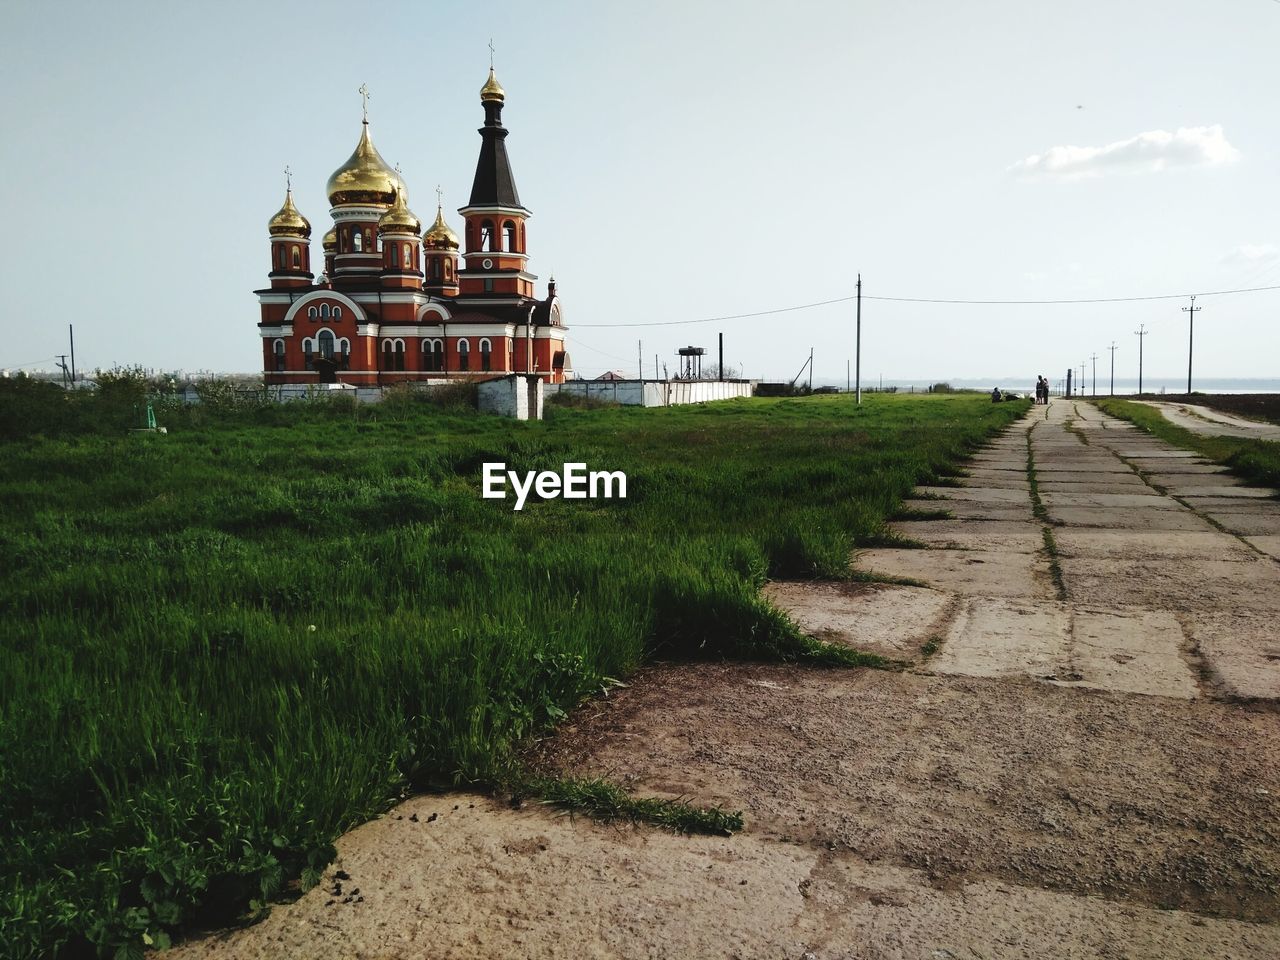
1042	389
995	395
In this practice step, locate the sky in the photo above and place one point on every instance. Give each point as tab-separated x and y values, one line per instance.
683	160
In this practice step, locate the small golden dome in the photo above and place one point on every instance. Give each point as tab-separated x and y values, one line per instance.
400	219
492	90
331	240
440	237
288	222
364	178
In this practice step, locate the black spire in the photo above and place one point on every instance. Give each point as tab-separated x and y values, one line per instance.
494	186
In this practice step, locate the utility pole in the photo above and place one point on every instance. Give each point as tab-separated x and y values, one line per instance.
71	328
721	356
1112	348
1094	358
848	376
811	369
1191	335
1140	333
640	359
62	365
655	367
858	346
1069	372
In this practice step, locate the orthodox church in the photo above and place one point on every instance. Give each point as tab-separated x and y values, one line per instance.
395	304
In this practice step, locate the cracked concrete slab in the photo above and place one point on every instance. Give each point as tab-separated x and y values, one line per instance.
1124	518
1109	543
1241	650
973	509
1268	544
1247	524
893	621
1147	501
1131	651
1018	536
966	572
997	637
1186	584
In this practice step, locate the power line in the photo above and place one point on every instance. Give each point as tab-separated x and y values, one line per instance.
32	363
985	303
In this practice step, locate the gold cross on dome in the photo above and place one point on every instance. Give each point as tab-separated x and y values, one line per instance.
364	100
491	53
288	178
439	196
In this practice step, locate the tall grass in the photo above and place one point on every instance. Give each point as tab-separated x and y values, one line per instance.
222	647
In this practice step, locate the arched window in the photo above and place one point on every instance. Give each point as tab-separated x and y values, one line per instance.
464	354
306	353
357	242
344	345
368	240
325	343
509	231
393	354
433	355
279	258
312	313
337	313
448	269
278	349
408	257
395	255
297	257
324	310
488	240
486	351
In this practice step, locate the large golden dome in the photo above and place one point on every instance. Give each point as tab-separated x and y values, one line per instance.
492	90
330	242
440	237
288	222
400	219
364	178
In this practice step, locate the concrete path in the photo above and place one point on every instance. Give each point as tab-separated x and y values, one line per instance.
1206	420
1080	759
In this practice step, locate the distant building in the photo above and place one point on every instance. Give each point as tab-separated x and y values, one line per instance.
614	375
396	305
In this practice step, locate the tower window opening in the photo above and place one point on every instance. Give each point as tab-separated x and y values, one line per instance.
368	240
486	352
488	284
357	241
395	255
279	258
408	256
297	257
464	355
509	229
448	269
488	241
324	310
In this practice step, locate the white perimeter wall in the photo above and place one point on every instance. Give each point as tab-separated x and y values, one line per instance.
654	393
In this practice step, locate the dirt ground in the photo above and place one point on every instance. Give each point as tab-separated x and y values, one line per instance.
1080	757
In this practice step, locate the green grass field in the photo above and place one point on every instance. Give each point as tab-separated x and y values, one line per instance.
223	647
1257	461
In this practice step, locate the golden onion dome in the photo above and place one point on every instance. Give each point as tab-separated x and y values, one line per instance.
331	241
440	237
364	178
400	219
288	222
492	90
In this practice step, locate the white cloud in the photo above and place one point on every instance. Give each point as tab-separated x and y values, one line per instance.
1251	255
1150	152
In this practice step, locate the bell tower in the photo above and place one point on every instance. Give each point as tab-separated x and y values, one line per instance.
290	243
495	251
